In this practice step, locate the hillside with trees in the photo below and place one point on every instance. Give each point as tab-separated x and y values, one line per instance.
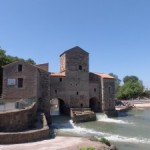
6	59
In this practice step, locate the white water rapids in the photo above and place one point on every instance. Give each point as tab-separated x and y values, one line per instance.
74	129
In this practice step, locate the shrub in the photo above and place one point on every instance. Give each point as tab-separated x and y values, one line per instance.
105	141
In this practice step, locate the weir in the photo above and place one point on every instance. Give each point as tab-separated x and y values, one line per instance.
82	115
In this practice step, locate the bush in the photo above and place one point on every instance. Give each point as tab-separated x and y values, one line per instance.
89	148
105	141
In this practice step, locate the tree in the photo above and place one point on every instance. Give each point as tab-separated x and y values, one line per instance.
30	61
132	88
6	59
117	82
127	78
146	93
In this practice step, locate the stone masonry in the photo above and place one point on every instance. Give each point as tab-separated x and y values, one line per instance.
74	86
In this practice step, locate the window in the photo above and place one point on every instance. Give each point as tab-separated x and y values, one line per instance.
20	82
94	89
80	67
55	91
77	93
60	79
19	68
81	105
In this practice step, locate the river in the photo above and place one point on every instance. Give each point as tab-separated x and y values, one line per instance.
128	131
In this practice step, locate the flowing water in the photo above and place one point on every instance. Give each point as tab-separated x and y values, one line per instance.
129	131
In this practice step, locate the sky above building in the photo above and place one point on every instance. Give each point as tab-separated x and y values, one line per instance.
116	33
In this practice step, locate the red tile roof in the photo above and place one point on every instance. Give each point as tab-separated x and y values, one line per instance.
57	74
104	75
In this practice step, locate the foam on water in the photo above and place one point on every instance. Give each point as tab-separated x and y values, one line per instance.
104	118
76	130
119	138
79	130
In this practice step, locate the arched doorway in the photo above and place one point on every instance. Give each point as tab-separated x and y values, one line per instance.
57	107
61	106
93	104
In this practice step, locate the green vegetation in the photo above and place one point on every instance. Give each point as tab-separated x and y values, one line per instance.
146	93
105	141
89	148
132	88
6	59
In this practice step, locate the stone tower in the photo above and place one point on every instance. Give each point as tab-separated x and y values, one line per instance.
75	64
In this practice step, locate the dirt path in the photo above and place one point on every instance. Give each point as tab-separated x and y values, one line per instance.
59	143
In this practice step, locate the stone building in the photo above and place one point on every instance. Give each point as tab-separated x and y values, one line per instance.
22	80
73	87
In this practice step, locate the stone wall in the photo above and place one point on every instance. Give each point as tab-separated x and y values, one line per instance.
43	66
82	115
95	92
28	74
27	136
57	88
108	94
18	120
73	88
44	91
75	64
78	109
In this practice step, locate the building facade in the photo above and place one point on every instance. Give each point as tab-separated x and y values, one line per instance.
73	87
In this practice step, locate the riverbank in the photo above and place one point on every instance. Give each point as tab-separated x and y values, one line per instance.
129	104
141	103
58	143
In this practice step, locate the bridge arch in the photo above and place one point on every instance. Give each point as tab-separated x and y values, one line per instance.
57	106
95	104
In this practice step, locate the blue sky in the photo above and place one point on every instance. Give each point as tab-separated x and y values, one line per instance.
116	33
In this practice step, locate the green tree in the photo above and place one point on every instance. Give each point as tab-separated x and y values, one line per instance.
117	82
127	78
146	93
6	59
132	88
30	61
